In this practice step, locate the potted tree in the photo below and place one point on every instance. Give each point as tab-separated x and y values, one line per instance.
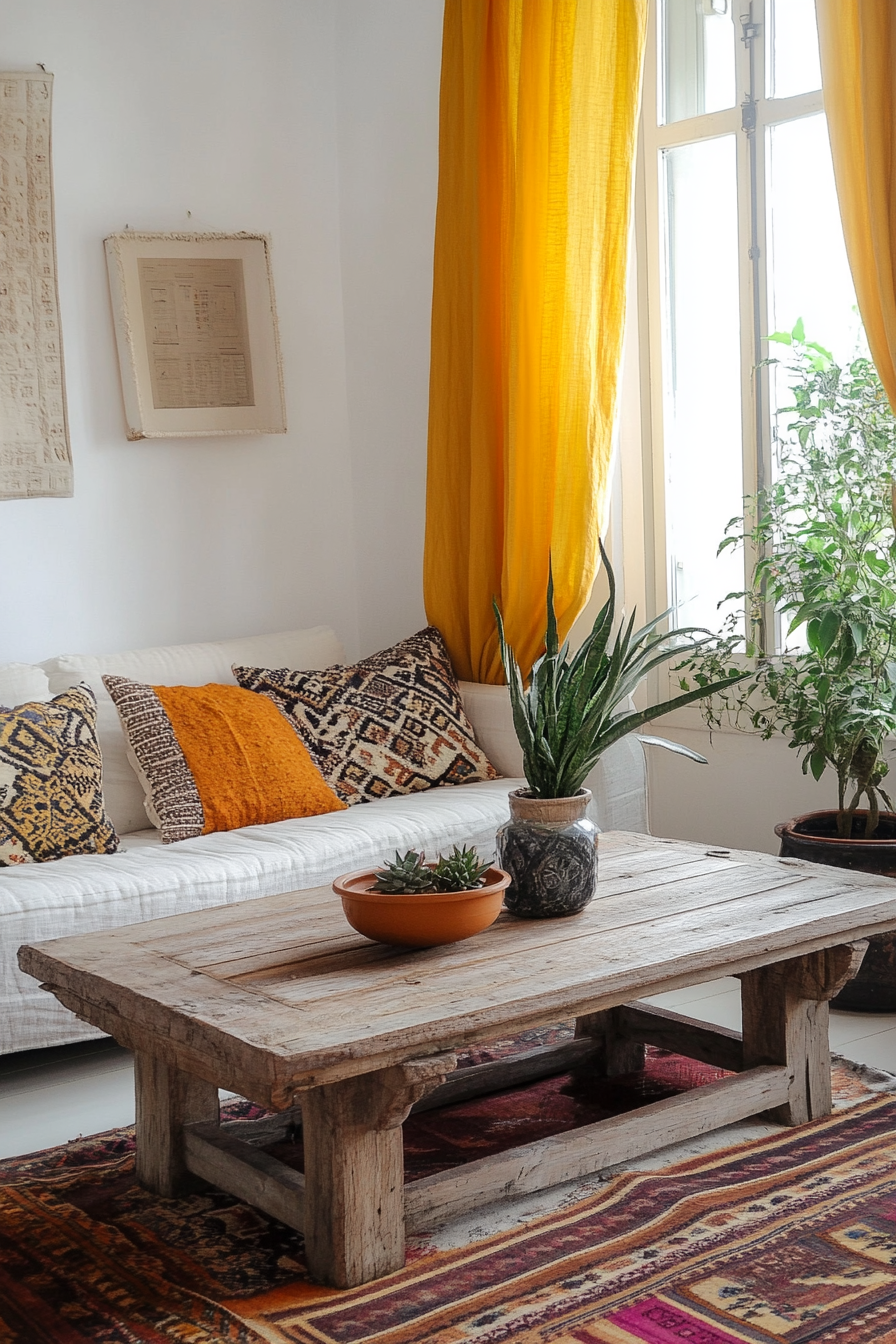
826	544
574	707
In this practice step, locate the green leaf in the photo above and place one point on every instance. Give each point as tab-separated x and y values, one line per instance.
799	331
551	639
859	631
817	763
574	708
679	750
823	634
630	722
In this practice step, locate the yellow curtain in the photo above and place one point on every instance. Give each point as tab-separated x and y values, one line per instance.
858	63
539	103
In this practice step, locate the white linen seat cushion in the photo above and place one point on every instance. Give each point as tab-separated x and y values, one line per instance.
147	880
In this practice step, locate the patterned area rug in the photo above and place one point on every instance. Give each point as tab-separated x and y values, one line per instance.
790	1238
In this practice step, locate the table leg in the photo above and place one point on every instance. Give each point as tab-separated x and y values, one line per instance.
354	1170
619	1053
167	1099
785	1021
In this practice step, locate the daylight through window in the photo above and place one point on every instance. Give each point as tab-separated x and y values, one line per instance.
743	238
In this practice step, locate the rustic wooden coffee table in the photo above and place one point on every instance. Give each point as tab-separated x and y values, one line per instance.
280	1001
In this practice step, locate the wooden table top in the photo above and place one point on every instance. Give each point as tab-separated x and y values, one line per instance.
270	995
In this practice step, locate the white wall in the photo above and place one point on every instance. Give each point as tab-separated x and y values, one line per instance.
388	63
737	798
225	108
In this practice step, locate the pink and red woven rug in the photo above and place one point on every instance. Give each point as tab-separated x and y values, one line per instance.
791	1238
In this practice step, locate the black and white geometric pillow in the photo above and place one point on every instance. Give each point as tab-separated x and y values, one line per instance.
393	723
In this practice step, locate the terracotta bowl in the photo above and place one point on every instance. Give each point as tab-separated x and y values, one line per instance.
425	920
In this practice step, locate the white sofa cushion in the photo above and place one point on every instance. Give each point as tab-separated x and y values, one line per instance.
175	665
20	682
488	709
147	880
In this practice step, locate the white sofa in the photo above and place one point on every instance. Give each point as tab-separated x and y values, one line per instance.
147	879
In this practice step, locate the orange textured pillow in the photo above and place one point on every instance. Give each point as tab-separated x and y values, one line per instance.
214	758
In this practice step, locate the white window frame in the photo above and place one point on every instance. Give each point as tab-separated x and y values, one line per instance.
648	580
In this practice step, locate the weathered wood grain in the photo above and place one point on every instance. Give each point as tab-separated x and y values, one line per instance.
192	1056
167	1099
405	1085
554	986
575	943
672	885
447	997
786	1019
236	925
718	1046
822	974
354	1188
780	1026
354	1163
478	1080
229	1163
617	1051
579	1152
338	975
273	1128
277	1000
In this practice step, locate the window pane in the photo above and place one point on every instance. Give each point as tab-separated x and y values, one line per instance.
702	393
696	64
794	65
809	273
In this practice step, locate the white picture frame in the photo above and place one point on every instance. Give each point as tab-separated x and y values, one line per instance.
196	327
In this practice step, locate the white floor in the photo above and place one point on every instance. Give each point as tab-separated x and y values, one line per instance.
50	1096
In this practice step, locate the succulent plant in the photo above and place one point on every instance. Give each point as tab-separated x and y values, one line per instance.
461	870
409	875
404	876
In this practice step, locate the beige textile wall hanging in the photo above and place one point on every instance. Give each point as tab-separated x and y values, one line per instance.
35	454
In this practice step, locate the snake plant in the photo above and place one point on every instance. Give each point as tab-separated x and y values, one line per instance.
574	708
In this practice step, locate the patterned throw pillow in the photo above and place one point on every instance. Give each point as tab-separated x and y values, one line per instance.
51	781
213	758
394	723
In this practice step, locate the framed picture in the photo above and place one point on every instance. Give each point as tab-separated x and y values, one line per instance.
197	334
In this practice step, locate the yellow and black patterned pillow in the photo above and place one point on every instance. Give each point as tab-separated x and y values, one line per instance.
51	781
393	723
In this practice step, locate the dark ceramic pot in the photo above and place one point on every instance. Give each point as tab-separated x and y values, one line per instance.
549	848
814	837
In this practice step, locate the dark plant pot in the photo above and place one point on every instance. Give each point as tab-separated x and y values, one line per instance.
549	848
814	837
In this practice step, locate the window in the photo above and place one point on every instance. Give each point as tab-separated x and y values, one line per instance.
739	236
